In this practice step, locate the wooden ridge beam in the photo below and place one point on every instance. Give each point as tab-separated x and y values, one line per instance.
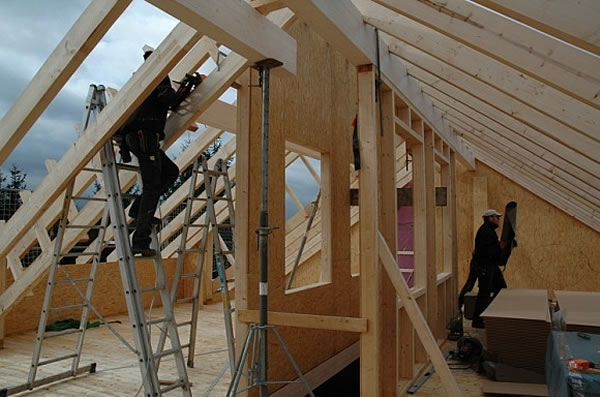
573	22
238	26
341	24
314	321
81	39
551	61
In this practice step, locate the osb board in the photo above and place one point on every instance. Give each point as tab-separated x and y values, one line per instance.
314	109
555	251
308	272
108	294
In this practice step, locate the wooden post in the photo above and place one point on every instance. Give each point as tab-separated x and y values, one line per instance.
370	298
389	229
242	232
416	317
450	228
430	236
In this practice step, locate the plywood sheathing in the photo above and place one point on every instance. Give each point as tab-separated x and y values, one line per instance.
314	109
555	250
108	294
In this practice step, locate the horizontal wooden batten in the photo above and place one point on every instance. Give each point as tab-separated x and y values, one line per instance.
315	321
404	196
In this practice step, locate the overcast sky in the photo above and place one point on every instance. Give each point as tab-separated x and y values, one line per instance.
31	29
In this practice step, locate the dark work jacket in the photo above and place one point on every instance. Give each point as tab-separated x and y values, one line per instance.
487	247
152	113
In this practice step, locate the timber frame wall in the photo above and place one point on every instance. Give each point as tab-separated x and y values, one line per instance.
439	116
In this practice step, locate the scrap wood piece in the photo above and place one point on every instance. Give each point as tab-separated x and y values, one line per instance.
417	319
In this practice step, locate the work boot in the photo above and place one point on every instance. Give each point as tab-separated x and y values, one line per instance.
143	252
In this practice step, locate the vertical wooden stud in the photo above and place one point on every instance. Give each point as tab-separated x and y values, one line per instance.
430	236
389	229
369	270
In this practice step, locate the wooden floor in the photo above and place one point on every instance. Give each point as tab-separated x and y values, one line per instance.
118	373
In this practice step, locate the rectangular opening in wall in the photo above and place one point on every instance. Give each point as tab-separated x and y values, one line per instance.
303	203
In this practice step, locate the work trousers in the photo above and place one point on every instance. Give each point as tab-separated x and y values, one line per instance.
469	284
491	281
159	173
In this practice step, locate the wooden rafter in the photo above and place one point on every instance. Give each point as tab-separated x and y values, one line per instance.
550	61
81	39
341	24
573	22
506	103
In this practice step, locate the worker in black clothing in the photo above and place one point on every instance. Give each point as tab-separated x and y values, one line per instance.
486	260
142	134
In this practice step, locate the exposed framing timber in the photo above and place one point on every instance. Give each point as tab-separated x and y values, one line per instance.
314	321
528	90
237	25
550	61
173	48
417	319
81	39
573	22
440	75
370	292
341	24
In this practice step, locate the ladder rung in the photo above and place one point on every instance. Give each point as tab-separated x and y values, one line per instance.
78	254
66	307
196	225
183	324
73	280
151	289
61	358
186	346
225	225
61	333
189	275
165	353
174	386
130	196
194	250
184	300
85	227
215	172
199	198
88	198
98	170
223	199
127	167
157	321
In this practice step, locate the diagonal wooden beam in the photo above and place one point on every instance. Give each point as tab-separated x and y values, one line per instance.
341	24
575	22
81	39
238	26
548	60
416	317
173	48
